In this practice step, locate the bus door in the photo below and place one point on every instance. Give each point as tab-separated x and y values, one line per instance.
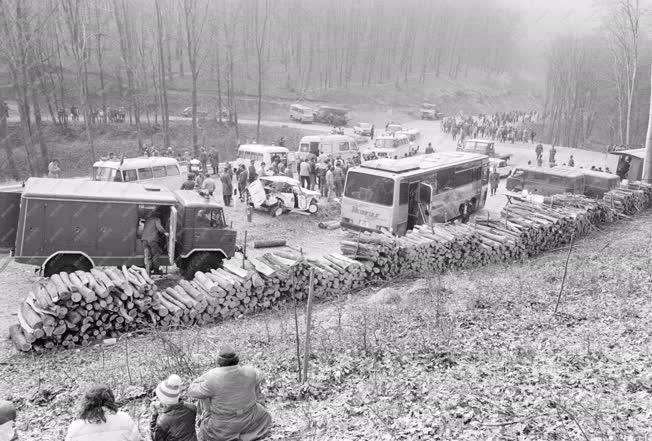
420	196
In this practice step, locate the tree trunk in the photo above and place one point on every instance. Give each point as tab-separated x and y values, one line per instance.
647	163
6	145
164	95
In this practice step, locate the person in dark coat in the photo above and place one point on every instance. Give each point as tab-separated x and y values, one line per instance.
227	187
252	174
243	177
172	419
189	184
494	180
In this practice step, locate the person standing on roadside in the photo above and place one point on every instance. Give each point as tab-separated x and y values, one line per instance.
571	161
54	171
227	187
243	178
494	180
330	183
203	158
209	185
304	173
252	174
338	179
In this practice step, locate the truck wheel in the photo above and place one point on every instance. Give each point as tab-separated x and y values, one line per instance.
313	207
202	261
67	263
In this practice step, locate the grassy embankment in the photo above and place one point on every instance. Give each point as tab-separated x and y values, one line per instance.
472	355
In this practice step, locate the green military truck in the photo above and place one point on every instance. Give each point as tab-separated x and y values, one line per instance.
70	224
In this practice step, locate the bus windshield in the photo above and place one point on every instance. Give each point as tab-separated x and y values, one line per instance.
369	188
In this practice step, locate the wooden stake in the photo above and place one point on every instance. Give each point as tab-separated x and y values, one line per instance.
306	343
563	280
296	325
244	250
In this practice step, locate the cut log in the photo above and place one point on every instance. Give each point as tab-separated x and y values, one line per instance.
17	336
272	243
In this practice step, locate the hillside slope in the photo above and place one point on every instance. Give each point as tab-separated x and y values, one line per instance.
473	355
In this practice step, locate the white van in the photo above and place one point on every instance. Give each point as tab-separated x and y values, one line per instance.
301	113
334	145
155	169
260	153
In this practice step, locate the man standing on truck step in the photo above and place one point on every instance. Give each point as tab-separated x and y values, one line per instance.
152	232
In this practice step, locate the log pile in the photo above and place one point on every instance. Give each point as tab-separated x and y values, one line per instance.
81	307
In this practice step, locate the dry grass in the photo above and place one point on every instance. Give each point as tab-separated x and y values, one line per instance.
473	355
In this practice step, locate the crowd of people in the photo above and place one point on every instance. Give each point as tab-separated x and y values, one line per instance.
227	404
515	126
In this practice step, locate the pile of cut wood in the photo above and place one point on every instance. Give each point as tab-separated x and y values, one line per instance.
631	199
82	307
524	229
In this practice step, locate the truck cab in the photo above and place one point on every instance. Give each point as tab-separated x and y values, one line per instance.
69	225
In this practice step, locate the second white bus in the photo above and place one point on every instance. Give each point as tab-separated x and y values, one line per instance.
395	195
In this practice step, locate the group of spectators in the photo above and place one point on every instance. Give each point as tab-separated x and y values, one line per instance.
326	175
228	405
515	126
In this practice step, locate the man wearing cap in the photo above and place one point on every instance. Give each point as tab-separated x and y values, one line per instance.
7	418
231	401
172	419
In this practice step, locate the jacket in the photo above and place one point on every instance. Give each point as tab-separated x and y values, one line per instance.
227	184
230	405
209	185
175	423
304	169
118	427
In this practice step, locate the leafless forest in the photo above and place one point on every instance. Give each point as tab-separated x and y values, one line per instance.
102	55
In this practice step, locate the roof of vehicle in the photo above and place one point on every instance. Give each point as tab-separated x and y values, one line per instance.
637	153
284	179
479	140
302	106
192	199
361	124
554	171
262	148
140	162
330	137
414	165
392	136
334	108
589	172
97	191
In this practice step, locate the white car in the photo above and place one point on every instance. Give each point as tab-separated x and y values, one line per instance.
280	194
363	129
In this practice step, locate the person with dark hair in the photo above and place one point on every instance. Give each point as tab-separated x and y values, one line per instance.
7	420
232	403
172	419
100	419
189	183
54	170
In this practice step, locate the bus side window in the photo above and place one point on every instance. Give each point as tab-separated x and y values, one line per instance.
158	172
172	170
445	179
344	146
144	173
404	193
130	175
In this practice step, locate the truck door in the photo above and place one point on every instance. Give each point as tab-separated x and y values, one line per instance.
172	237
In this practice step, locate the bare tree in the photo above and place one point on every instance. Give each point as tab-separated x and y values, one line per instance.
260	31
165	116
195	15
622	21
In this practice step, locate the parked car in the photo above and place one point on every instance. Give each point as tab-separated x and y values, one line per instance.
280	194
333	116
363	129
394	129
301	113
483	147
187	113
501	166
429	111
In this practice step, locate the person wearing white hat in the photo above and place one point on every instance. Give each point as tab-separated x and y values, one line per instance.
172	419
231	401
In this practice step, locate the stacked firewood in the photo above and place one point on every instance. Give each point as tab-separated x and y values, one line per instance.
68	309
631	199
